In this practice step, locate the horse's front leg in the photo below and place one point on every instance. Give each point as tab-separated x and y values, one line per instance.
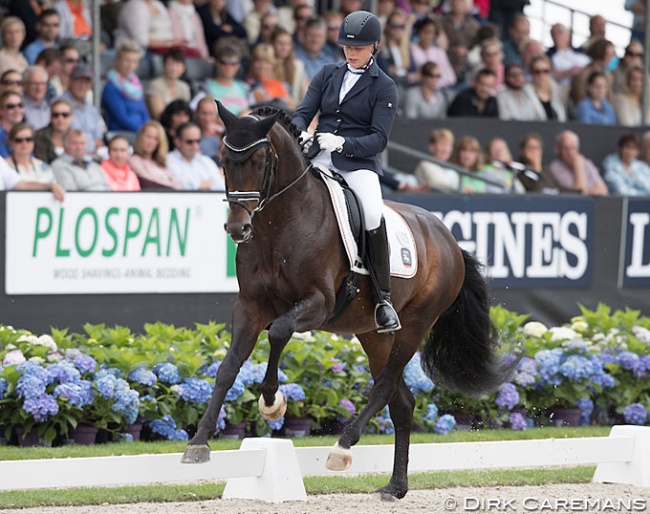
308	313
247	326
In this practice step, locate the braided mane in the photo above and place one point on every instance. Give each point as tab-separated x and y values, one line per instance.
284	119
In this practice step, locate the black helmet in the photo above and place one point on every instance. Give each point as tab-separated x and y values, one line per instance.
359	28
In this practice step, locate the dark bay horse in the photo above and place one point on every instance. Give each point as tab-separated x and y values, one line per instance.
290	264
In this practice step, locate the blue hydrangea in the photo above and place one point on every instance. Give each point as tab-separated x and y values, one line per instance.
235	391
167	373
85	363
635	414
32	382
415	377
645	363
62	372
628	360
77	394
3	388
103	371
602	379
276	424
166	427
508	397
41	407
444	424
143	376
106	385
212	369
432	412
127	402
586	406
349	406
293	392
548	364
337	366
196	390
517	421
525	372
221	420
578	368
126	438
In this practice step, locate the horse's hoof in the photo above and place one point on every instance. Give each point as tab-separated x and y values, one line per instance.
196	454
339	458
275	411
390	493
387	497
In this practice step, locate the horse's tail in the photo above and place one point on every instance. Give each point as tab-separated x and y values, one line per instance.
462	349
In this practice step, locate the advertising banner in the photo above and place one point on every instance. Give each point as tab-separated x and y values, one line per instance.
636	243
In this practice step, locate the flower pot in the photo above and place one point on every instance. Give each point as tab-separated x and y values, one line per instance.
83	434
30	439
134	431
237	431
297	427
564	417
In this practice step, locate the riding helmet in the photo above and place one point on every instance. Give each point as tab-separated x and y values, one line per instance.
360	28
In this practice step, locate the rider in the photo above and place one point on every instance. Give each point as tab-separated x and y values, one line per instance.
357	103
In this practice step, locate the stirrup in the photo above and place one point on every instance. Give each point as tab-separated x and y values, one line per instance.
384	329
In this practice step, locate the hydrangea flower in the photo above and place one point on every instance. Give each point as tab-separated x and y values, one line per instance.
143	376
236	390
586	406
31	384
508	397
127	401
212	369
3	388
168	373
196	390
41	407
293	392
275	424
221	420
13	357
578	368
46	341
77	394
628	360
85	363
106	385
444	424
349	406
535	329
562	333
548	364
525	372
517	421
635	414
642	333
432	412
337	366
166	427
415	377
62	372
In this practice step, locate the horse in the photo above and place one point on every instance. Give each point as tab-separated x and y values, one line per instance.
290	265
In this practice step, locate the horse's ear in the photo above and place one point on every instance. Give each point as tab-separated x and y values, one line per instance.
226	116
264	125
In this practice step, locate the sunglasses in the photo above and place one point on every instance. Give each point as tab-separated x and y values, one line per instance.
71	60
13	106
191	141
634	54
541	71
23	140
61	114
50	24
12	82
228	63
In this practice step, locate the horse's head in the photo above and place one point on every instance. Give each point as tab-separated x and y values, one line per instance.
250	165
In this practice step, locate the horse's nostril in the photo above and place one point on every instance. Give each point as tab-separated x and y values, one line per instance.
246	229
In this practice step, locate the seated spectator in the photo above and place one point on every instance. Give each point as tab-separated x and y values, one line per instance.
47	28
231	92
76	22
546	92
536	177
492	59
566	60
12	34
268	24
70	58
302	13
253	19
122	99
530	50
119	175
601	52
176	113
504	12
149	159
21	145
487	31
426	100
86	116
219	25
263	86
467	154
633	58
11	80
572	170
48	141
37	110
147	24
394	55
75	170
188	28
515	101
192	169
11	181
518	33
168	87
52	60
12	112
26	11
333	20
285	13
425	50
460	27
595	109
624	173
499	161
628	104
211	127
479	100
597	31
288	70
435	174
312	51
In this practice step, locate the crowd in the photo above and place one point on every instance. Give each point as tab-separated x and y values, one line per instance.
160	129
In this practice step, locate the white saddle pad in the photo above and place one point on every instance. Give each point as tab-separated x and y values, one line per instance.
403	254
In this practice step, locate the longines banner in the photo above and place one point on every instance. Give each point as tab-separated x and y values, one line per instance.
117	243
636	233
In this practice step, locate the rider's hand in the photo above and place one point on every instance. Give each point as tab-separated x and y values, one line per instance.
306	140
330	142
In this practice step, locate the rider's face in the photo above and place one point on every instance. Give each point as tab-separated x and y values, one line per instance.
358	56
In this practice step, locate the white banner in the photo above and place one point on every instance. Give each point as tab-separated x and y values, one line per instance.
118	243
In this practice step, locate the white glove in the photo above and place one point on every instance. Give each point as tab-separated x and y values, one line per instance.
330	142
306	140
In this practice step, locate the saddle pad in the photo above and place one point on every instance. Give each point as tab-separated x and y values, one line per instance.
403	254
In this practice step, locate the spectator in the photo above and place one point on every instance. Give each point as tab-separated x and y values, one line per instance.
11	80
566	60
253	19
545	91
28	12
122	99
518	33
535	177
467	154
645	148
487	31
426	100
119	175
76	22
29	168
384	10
265	88
394	56
70	58
37	110
633	58
601	52
232	93
188	28
52	60
211	127
572	170
48	28
595	109
302	13
147	23
176	113
162	90
11	181
624	173
75	170
149	159
268	24
12	33
193	170
503	13
461	28
530	49
285	13
86	116
333	20
288	70
219	26
637	7
348	6
424	50
312	50
12	112
500	163
597	28
492	59
478	100
628	104
435	174
48	141
515	101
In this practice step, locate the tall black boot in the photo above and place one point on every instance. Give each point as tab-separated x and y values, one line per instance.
378	261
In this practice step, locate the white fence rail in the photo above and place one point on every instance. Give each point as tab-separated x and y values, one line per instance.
272	469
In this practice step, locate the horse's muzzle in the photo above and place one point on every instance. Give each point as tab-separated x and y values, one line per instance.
239	232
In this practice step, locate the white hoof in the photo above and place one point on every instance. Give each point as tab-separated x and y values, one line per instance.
275	411
339	458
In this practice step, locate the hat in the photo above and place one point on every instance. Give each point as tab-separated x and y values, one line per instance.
82	70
